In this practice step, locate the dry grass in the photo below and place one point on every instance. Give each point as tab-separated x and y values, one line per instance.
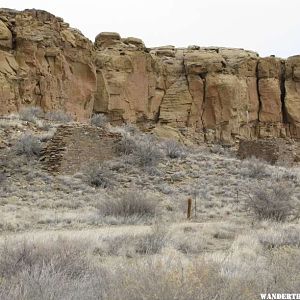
126	204
76	268
73	201
221	253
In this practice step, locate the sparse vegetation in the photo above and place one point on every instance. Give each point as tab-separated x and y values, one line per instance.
30	113
174	149
153	242
28	145
66	249
70	269
217	149
100	176
99	120
277	236
254	168
58	116
144	149
146	152
272	201
127	144
129	203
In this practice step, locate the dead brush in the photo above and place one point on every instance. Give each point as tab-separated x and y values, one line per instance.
273	201
100	176
28	145
174	149
31	113
153	242
130	203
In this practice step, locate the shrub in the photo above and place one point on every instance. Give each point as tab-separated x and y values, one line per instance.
130	129
129	203
276	237
56	269
61	255
126	145
217	149
174	149
118	245
154	241
42	124
31	113
29	145
189	242
254	168
146	152
58	116
99	120
272	201
144	149
157	277
100	176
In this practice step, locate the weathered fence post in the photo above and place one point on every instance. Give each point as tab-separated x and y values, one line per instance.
189	208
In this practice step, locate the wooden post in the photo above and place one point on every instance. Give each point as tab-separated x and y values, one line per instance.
189	208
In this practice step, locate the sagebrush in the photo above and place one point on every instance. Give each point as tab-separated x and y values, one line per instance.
28	145
273	200
129	203
99	120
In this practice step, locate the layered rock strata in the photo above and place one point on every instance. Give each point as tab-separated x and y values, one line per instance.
44	62
219	93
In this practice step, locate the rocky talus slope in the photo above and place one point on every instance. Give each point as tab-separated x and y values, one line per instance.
220	93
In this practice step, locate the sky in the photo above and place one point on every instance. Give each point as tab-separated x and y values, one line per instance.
269	27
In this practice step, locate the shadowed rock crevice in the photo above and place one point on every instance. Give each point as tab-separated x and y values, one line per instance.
258	93
283	93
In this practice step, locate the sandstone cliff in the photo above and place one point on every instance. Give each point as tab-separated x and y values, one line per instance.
44	62
219	93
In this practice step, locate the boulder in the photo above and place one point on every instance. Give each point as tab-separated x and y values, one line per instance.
106	39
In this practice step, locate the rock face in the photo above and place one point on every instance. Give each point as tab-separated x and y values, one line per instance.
44	62
222	93
219	93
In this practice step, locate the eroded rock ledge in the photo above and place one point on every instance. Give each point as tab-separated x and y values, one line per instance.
219	93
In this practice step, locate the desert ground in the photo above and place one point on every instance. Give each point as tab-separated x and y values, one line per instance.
118	228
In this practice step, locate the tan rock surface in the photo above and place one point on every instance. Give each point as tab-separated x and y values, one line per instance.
50	65
5	36
220	93
270	76
292	86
